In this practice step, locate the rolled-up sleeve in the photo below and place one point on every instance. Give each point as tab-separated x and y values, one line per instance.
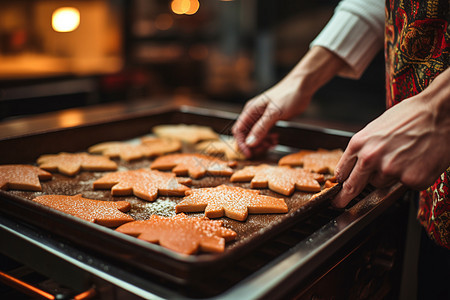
355	33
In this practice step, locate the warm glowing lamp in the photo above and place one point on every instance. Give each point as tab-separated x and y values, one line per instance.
180	6
194	5
65	19
188	7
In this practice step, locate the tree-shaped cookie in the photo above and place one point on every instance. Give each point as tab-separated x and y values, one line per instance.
72	163
195	165
320	161
281	179
22	177
149	147
181	233
143	183
106	213
186	133
233	202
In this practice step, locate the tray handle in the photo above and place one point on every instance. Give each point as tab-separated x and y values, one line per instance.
33	291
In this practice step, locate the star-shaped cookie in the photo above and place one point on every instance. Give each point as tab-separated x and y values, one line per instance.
72	163
195	165
320	161
22	177
106	213
225	146
127	151
186	133
233	202
143	183
181	233
294	159
280	179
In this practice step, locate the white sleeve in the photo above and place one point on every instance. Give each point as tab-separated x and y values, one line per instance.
355	33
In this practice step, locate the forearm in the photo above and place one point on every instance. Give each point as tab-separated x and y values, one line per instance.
315	69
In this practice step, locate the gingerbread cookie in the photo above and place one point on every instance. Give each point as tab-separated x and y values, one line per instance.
181	233
127	151
106	213
145	184
71	163
281	179
186	133
294	159
194	165
233	202
320	161
161	146
225	146
326	188
22	177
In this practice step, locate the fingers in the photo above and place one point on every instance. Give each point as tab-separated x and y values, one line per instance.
262	126
251	113
357	180
252	126
355	170
348	159
345	166
268	142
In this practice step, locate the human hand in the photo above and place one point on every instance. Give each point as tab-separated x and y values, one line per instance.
260	113
286	99
409	143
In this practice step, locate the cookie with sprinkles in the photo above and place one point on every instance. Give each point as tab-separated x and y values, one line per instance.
186	235
187	133
72	163
149	147
225	146
194	164
106	213
280	179
233	202
22	177
294	159
320	161
143	183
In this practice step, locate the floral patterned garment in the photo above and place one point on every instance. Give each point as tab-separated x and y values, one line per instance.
417	49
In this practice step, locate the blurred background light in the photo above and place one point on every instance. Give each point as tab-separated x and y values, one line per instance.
65	19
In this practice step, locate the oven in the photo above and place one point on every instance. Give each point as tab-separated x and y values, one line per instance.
315	252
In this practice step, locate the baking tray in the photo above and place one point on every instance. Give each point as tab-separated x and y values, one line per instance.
133	253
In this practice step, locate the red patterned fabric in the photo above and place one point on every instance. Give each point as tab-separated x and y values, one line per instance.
417	49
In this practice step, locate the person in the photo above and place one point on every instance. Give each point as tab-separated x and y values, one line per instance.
410	141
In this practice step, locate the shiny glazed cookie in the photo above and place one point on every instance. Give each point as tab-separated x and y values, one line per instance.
280	179
106	213
181	233
233	202
22	177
